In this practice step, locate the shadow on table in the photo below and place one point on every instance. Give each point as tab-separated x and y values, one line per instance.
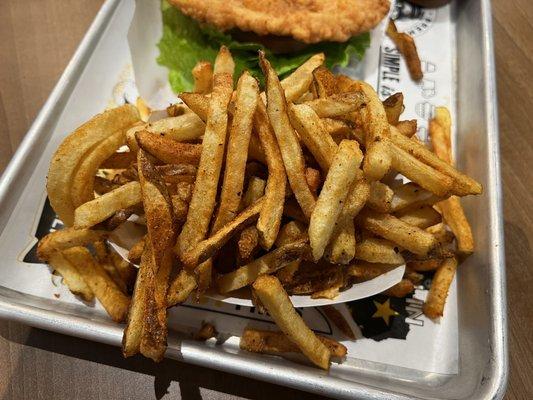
189	377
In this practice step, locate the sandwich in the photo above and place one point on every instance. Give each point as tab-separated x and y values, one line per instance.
288	31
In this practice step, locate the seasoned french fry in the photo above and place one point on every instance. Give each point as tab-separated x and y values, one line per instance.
394	107
266	264
181	287
324	82
377	250
177	109
197	102
106	291
205	189
364	271
168	150
440	232
401	289
208	247
291	232
254	191
103	207
339	321
422	217
337	129
425	265
270	342
58	241
309	127
313	179
71	276
337	104
406	46
119	160
380	198
407	128
247	245
297	83
203	77
289	145
180	129
279	306
206	332
407	236
411	196
332	197
438	292
236	155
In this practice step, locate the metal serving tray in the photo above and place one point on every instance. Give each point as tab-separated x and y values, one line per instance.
481	280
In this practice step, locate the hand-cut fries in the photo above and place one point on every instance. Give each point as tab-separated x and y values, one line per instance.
342	224
406	46
279	306
331	200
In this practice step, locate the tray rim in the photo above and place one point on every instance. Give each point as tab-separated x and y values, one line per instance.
307	379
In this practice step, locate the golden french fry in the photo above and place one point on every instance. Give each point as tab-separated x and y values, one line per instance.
266	264
401	289
406	46
324	82
380	198
203	199
254	191
440	232
407	236
365	271
279	306
177	109
120	160
333	195
168	150
103	207
270	342
339	321
411	196
71	276
289	145
422	217
58	241
203	77
394	107
297	83
73	149
438	292
309	127
337	129
425	265
144	110
247	245
106	291
206	248
291	232
239	138
180	129
197	102
407	128
337	104
377	250
181	287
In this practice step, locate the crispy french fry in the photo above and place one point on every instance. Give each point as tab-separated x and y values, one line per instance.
337	129
377	250
401	289
291	232
279	306
103	257
205	189
270	342
73	149
208	247
394	107
365	271
177	109
337	104
422	217
254	191
181	287
380	198
247	245
333	195
197	102
339	321
438	292
425	265
119	160
297	83
440	232
266	264
324	82
313	179
203	77
180	129
239	138
71	276
106	291
103	207
407	128
289	145
411	196
169	150
407	236
127	271
58	241
406	46
144	110
309	127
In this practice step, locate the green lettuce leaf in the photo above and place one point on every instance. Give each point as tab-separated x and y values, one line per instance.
185	41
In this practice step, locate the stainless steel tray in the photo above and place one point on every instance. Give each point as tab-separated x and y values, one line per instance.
481	281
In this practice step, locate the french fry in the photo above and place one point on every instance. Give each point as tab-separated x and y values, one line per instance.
324	82
127	271
254	191
271	342
103	207
203	77
177	109
440	232
309	127
208	247
180	129
452	211
365	271
406	46
181	287
380	198
339	321
131	338
119	160
290	232
206	332
131	141
103	257
106	291
58	241
247	245
422	217
337	105
377	250
376	126
239	138
169	150
289	145
425	265
407	236
337	129
412	196
332	197
313	179
205	189
255	151
267	264
279	306
438	292
407	128
462	184
144	110
71	276
73	149
197	102
103	185
401	289
297	83
394	107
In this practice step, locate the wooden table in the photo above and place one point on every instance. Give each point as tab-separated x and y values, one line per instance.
38	39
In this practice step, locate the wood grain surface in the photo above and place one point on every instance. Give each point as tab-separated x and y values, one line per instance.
38	38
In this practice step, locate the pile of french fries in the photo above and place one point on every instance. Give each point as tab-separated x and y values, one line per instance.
290	191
